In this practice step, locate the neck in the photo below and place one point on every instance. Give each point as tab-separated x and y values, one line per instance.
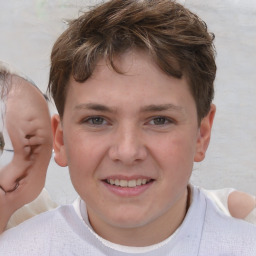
148	234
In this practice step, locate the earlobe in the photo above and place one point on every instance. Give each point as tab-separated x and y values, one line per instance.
58	142
204	135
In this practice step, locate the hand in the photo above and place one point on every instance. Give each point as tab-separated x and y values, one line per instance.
27	121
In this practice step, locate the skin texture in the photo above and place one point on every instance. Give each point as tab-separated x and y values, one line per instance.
27	121
240	204
141	124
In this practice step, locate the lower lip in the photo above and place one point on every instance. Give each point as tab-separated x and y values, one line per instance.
128	192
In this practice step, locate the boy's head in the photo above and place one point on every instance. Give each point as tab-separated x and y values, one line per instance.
176	39
133	84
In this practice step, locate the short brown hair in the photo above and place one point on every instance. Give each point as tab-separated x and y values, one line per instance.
177	40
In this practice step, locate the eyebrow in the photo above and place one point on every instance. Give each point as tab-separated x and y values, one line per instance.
161	107
149	108
94	106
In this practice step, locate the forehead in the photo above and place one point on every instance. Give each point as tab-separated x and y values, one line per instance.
141	82
131	64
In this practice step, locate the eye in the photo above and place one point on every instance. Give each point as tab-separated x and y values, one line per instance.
95	120
160	120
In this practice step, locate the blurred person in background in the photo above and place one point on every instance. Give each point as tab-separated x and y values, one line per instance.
26	135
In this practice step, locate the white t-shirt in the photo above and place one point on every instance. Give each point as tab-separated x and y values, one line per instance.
205	231
44	203
220	198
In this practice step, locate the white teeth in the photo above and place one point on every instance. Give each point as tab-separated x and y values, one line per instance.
123	183
126	183
131	183
138	182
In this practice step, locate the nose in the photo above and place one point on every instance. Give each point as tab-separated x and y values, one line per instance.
127	146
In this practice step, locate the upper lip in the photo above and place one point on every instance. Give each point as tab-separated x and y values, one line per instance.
122	177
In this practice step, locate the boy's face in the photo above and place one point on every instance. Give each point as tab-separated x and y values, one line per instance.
129	129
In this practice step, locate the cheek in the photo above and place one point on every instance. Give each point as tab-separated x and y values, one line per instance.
84	155
176	154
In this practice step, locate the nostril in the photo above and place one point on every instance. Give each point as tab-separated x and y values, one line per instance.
128	153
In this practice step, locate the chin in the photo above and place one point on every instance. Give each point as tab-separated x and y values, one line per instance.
128	221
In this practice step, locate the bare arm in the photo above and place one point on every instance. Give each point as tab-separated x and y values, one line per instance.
241	204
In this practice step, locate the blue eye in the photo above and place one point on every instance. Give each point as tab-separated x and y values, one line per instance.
96	120
160	120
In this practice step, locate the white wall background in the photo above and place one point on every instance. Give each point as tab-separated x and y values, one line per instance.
28	29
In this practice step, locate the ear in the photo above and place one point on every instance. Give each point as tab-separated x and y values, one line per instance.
58	142
204	135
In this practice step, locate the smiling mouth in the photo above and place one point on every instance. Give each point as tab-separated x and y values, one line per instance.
128	183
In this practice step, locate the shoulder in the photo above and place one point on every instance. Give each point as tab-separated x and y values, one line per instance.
241	204
226	234
232	202
36	233
220	198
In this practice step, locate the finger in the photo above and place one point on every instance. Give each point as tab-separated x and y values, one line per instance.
14	172
2	191
27	150
35	140
8	187
12	189
36	149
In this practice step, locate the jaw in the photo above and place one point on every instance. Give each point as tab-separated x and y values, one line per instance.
131	223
